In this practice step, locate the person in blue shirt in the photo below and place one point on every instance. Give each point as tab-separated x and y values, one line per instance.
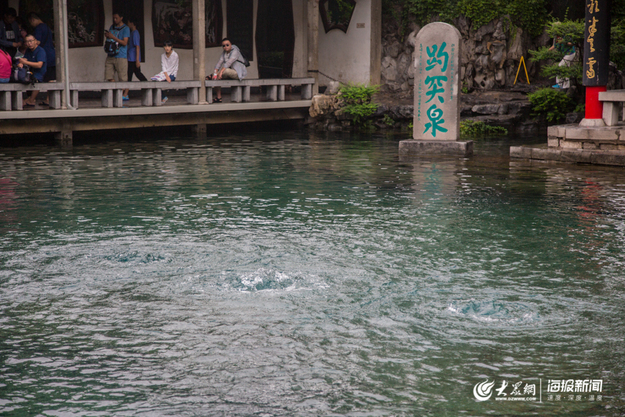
117	63
46	41
35	58
134	54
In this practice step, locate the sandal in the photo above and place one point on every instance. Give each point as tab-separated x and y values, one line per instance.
216	100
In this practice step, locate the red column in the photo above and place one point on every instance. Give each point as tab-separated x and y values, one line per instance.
594	108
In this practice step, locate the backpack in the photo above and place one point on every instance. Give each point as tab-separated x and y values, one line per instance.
23	75
244	59
112	47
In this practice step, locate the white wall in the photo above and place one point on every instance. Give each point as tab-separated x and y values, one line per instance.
346	57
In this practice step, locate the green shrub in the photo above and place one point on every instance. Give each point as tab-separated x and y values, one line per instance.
388	120
551	103
474	129
356	100
358	93
360	112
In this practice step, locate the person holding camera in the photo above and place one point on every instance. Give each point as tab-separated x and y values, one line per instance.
35	59
117	50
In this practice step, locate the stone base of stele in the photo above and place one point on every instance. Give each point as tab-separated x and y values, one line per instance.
414	147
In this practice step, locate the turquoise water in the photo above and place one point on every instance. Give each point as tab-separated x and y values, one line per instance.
290	273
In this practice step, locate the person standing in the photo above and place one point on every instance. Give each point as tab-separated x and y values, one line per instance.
134	54
35	58
10	35
117	61
46	41
565	47
23	32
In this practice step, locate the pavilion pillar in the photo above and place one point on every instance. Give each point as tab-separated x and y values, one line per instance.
596	59
199	45
60	37
375	69
313	43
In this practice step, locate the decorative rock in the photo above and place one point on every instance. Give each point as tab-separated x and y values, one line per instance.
498	53
411	39
499	33
389	69
486	109
322	104
485	30
394	50
515	50
333	127
403	65
333	88
574	117
462	25
500	76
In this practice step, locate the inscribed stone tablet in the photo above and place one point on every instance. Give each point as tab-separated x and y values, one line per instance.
436	99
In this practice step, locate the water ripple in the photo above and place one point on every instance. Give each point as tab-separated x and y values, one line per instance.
294	274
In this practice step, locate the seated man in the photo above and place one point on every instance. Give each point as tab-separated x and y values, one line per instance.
230	65
35	58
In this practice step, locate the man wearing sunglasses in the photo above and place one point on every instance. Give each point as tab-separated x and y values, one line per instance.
230	65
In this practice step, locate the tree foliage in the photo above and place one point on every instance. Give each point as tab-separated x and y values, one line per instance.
530	15
571	30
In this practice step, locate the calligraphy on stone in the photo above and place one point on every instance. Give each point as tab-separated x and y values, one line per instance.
437	62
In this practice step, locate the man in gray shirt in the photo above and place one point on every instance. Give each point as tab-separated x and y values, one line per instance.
230	65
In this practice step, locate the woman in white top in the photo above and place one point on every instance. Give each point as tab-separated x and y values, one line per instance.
169	65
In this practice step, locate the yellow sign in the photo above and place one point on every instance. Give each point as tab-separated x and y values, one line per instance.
522	62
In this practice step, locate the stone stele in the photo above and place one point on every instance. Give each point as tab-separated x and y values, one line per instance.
437	100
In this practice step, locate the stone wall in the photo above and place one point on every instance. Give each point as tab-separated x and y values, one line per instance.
490	55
